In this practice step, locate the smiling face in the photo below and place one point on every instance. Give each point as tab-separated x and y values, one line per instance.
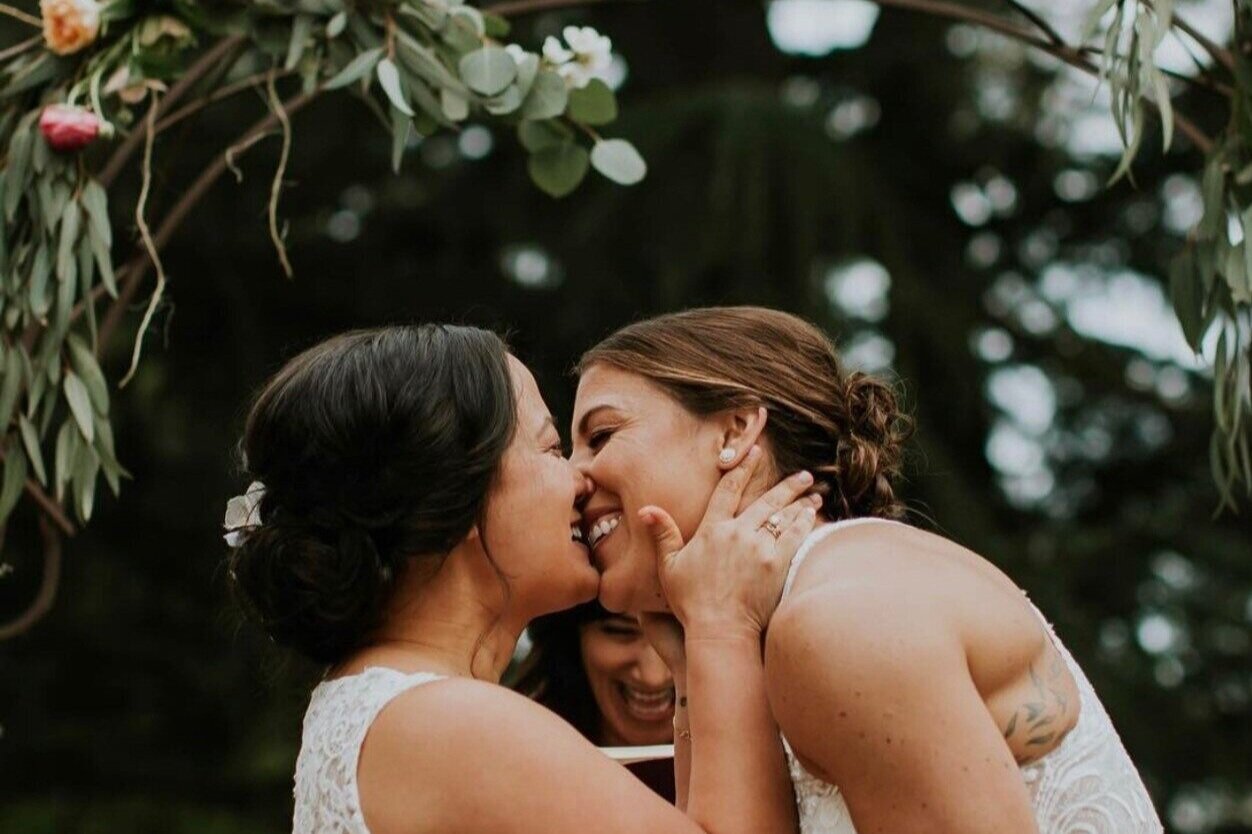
632	687
639	447
532	527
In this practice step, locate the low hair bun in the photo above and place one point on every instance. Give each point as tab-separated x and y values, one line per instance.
869	452
317	590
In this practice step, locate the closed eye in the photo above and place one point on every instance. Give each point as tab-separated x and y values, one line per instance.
620	631
598	438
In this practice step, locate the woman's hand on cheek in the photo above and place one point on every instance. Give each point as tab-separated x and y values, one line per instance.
727	581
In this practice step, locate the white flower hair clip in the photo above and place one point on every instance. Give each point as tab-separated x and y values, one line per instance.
243	514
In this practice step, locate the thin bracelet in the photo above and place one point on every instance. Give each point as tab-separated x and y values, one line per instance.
681	732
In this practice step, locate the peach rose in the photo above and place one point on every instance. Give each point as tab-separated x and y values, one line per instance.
69	25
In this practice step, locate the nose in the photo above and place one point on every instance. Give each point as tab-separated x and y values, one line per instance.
583	487
650	670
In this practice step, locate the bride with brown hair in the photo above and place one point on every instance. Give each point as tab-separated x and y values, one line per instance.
915	685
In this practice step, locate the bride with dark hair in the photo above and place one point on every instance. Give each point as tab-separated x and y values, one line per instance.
412	511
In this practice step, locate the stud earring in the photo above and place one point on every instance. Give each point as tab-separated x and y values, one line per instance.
727	455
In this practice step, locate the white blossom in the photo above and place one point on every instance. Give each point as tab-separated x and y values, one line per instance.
588	55
516	53
555	53
243	513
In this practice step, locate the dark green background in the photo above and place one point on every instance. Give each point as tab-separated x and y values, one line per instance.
141	703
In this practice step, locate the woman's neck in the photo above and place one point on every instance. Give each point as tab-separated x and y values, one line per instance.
456	623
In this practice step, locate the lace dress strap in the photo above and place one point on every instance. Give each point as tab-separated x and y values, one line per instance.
339	716
816	538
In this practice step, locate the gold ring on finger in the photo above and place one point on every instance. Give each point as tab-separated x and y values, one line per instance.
773	526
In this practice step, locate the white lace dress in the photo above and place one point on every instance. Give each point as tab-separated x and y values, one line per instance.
339	715
1087	785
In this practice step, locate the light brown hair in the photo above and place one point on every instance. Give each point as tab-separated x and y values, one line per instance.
845	428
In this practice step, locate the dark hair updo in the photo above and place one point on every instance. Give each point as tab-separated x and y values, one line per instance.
377	450
846	428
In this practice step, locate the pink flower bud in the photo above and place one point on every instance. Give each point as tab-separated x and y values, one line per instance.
69	129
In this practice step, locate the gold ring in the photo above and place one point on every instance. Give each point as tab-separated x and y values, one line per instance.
773	526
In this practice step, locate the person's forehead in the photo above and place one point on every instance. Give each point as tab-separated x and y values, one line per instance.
531	407
606	385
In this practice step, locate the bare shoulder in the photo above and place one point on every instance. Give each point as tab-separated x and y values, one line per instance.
879	550
421	723
866	625
461	755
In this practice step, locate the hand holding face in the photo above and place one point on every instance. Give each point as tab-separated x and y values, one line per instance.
728	579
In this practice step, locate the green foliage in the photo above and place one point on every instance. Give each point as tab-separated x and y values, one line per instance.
436	62
1211	279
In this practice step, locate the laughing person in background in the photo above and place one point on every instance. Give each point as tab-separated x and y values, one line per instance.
596	670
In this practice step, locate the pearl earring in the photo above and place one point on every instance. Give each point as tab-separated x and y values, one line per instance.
727	455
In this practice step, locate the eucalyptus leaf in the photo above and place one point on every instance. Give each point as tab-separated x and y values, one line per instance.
18	168
426	64
495	26
86	264
96	202
461	34
527	69
43	69
431	15
80	405
46	202
593	104
618	160
1213	192
301	28
400	127
63	462
30	440
1187	296
389	79
1236	275
505	103
83	360
67	249
83	481
10	387
535	136
336	25
359	67
472	16
430	104
37	291
113	471
547	98
488	71
67	290
38	384
13	481
104	261
454	107
558	169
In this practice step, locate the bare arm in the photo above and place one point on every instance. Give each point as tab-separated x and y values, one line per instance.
737	767
467	756
878	700
724	586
